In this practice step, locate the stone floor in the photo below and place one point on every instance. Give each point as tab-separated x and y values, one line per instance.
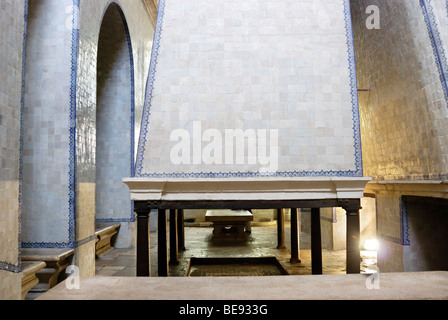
262	242
116	279
202	292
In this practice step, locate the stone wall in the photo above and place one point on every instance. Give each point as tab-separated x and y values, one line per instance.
47	218
12	19
404	114
390	251
60	118
139	35
53	194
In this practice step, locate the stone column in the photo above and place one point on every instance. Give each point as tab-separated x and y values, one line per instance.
162	252
352	208
294	236
174	251
143	263
316	242
280	229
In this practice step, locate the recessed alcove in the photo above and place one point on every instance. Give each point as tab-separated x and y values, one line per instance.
114	124
425	234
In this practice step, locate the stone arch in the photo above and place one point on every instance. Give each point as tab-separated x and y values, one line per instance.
114	123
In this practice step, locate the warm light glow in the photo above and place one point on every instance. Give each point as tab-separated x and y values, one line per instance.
371	244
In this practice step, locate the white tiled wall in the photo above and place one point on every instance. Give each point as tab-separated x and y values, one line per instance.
280	65
46	152
113	125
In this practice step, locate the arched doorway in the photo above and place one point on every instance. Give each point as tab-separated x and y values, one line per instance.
114	125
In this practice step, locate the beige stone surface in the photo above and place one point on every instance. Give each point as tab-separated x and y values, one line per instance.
259	188
404	136
10	285
228	215
45	254
11	39
56	261
29	278
392	286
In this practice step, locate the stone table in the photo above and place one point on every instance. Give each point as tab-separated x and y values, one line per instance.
229	224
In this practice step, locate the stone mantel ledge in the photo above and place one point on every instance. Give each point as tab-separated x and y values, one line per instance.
268	188
432	188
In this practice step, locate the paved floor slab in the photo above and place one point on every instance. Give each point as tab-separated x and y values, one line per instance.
385	286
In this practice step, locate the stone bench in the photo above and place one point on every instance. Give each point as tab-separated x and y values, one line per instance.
105	234
230	224
29	278
56	260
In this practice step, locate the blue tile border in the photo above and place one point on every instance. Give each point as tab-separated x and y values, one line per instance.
446	3
11	267
73	89
81	242
354	89
404	225
436	43
150	87
357	172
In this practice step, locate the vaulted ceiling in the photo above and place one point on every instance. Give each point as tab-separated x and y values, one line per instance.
151	6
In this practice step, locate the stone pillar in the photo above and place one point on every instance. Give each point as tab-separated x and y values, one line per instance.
174	249
352	208
180	230
162	247
280	229
294	236
143	258
316	242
